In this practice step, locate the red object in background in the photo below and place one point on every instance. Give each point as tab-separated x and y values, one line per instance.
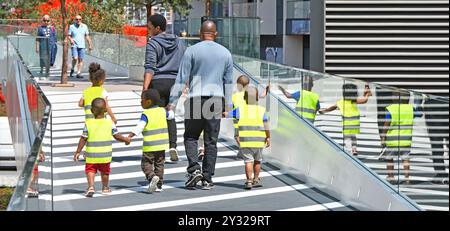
46	8
32	96
137	34
135	30
2	97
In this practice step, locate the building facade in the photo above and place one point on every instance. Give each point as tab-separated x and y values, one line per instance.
403	43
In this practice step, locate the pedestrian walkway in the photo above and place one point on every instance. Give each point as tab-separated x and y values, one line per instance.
428	195
281	191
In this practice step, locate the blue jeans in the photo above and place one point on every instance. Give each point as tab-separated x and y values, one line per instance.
53	51
78	52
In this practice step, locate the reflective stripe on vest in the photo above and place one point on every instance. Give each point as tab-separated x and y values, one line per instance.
400	131
89	95
307	105
251	126
238	100
99	142
156	136
350	117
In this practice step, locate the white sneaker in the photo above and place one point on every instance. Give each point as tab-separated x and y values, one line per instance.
152	186
173	154
159	189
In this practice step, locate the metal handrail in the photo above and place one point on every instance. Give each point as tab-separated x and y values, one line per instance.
18	199
331	141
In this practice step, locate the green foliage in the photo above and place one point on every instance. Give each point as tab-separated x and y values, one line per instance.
179	6
5	196
106	17
27	9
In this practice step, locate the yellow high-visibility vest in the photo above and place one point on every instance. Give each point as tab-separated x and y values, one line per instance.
238	100
400	131
307	105
156	136
350	117
99	142
89	95
251	126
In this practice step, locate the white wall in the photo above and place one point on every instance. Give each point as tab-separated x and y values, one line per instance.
293	51
268	14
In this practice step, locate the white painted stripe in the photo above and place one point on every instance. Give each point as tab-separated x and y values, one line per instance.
80	111
414	169
129	175
207	199
317	207
436	208
137	145
181	184
415	191
121	164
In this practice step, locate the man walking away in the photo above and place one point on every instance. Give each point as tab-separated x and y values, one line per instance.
163	56
208	69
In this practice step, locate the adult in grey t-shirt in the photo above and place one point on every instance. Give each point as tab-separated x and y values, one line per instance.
207	69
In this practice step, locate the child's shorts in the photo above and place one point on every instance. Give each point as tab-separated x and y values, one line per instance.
102	168
35	169
397	153
251	155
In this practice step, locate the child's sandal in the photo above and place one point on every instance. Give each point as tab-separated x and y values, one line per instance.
90	192
106	190
248	185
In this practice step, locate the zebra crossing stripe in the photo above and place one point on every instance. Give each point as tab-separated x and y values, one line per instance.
318	207
208	199
75	196
121	176
80	168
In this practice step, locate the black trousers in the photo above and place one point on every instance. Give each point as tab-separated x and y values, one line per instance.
202	114
437	121
164	86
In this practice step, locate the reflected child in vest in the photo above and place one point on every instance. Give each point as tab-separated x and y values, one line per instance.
238	100
307	101
97	77
98	134
350	114
253	135
396	134
153	126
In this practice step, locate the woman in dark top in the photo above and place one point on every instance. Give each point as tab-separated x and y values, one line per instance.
46	44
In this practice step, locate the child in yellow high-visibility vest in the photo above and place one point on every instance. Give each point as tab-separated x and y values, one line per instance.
253	135
98	134
350	114
153	126
97	77
238	100
397	134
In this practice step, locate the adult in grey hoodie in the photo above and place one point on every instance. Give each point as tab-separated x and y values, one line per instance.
162	60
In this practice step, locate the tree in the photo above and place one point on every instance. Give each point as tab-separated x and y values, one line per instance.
65	42
179	6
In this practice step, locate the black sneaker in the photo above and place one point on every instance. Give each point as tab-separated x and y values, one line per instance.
79	76
194	178
207	186
71	73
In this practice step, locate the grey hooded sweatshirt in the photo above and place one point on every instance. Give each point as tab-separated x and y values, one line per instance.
163	56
